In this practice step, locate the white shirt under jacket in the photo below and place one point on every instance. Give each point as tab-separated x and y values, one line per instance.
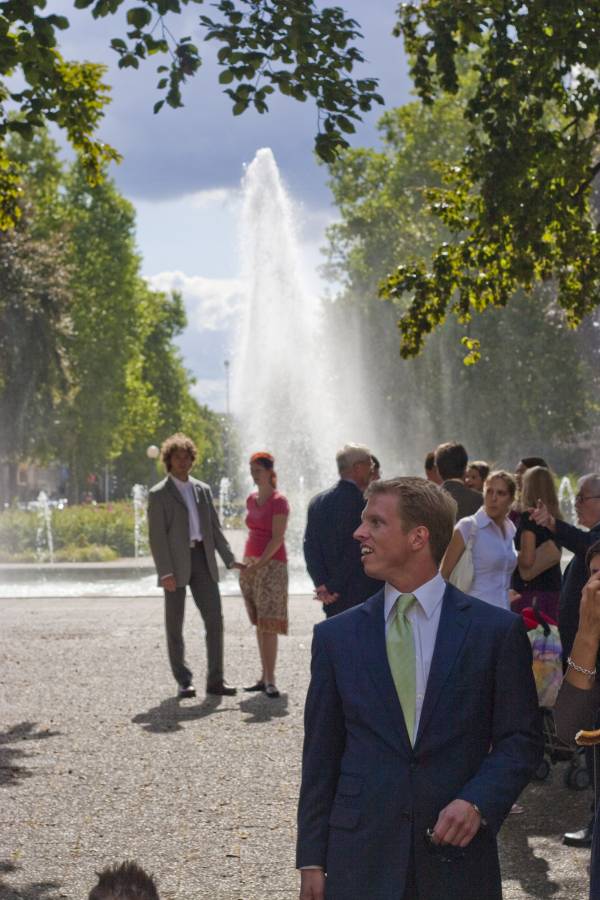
186	489
424	617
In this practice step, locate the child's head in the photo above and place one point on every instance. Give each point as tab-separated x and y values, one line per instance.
126	881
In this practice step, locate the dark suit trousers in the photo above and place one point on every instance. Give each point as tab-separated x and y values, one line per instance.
207	598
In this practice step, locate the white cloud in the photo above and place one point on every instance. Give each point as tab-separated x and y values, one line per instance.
220	196
211	303
210	392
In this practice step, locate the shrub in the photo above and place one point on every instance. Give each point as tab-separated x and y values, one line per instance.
103	528
89	553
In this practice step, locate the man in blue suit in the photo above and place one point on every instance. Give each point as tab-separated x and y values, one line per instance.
331	553
421	722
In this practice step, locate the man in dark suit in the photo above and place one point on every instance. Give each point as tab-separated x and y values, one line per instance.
331	553
451	462
587	504
422	724
184	532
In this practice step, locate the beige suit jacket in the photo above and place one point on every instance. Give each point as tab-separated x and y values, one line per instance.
169	531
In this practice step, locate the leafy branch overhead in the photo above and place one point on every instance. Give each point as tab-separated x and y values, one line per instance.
519	203
288	46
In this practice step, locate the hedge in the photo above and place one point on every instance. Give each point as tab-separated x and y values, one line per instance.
102	531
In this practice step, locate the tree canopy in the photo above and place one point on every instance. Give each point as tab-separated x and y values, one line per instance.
517	205
520	397
266	46
89	372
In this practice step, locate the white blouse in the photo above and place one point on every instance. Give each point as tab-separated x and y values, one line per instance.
494	557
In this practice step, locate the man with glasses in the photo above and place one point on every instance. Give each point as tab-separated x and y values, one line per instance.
587	504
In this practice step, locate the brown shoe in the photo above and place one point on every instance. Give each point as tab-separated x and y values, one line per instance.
220	689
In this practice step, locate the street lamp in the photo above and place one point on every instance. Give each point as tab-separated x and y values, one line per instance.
152	452
226	429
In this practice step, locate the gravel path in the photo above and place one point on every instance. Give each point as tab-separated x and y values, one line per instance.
99	762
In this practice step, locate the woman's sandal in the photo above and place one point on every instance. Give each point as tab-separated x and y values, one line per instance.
271	691
259	686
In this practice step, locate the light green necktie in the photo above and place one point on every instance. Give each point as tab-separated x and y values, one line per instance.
401	656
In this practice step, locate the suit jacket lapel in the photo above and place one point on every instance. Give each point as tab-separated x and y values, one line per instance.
452	630
174	491
374	653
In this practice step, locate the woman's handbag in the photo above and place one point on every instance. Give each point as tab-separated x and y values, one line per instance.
463	573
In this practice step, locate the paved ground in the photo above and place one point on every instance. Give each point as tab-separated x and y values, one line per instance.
98	762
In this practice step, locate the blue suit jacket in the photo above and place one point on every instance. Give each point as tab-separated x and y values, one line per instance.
331	553
367	794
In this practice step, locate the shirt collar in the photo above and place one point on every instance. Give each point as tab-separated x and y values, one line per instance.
482	520
429	596
182	485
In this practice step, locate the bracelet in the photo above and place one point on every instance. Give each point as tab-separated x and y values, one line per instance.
589	672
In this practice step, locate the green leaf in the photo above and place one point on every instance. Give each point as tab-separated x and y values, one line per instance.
139	17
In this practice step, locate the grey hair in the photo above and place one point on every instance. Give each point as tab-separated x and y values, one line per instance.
592	479
350	454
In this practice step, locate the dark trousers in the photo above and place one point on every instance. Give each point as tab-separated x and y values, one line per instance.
207	598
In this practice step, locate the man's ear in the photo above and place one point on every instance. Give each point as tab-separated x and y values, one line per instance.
419	537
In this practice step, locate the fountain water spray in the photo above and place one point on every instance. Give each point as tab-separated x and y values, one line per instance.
44	541
566	500
286	395
224	499
140	503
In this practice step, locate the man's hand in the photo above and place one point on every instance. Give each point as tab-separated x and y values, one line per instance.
169	583
323	595
312	884
457	824
541	515
238	565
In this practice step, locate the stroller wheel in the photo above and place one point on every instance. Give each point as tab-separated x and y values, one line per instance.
542	771
577	778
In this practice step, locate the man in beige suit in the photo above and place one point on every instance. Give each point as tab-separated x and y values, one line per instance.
184	533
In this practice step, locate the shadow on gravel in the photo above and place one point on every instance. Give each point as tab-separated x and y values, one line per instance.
519	862
41	890
263	708
531	851
170	713
10	771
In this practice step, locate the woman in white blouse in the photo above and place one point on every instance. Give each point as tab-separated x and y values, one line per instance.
492	542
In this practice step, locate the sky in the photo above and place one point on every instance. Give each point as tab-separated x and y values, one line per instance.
182	169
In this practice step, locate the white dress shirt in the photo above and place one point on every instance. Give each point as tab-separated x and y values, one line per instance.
494	557
424	617
186	489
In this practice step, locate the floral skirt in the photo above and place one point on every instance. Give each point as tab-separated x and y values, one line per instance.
265	593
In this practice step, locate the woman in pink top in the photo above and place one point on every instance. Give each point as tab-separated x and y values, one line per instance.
264	581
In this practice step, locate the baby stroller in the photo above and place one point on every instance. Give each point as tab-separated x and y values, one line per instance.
548	673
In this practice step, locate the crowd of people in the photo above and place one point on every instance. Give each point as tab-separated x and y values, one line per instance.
422	714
